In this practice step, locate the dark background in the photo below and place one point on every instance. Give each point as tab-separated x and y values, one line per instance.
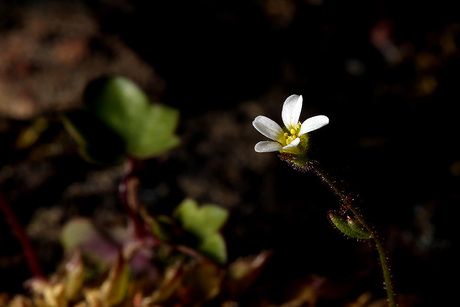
385	72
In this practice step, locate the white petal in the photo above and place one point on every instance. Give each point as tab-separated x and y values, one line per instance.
292	144
291	111
268	127
313	123
267	146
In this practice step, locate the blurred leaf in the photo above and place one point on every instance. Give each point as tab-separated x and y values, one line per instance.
51	293
200	220
22	301
155	132
114	289
213	245
54	295
74	276
204	223
201	283
121	105
31	134
119	120
80	233
243	272
171	282
188	284
304	294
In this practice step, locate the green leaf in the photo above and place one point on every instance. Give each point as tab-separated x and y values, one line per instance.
200	220
349	227
120	104
204	224
213	245
119	120
157	132
357	227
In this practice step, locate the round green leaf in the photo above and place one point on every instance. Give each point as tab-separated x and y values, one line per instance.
204	224
121	105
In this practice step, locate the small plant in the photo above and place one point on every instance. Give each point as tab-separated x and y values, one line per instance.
293	145
177	257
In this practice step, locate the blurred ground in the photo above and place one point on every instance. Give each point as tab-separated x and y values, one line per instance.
386	76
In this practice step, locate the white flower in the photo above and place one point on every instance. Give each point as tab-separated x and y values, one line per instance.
287	138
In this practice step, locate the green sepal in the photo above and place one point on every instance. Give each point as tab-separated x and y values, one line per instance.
349	226
297	156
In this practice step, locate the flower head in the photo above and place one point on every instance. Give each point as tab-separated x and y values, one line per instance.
293	137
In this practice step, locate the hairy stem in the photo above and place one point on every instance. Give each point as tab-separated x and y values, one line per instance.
348	205
386	273
29	252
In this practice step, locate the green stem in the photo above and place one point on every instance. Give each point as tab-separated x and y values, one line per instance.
386	273
346	200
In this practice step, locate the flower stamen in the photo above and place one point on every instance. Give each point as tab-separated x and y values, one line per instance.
292	135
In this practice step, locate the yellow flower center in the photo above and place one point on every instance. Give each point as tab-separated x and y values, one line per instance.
294	133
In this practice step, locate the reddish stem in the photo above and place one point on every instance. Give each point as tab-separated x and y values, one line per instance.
29	252
127	189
